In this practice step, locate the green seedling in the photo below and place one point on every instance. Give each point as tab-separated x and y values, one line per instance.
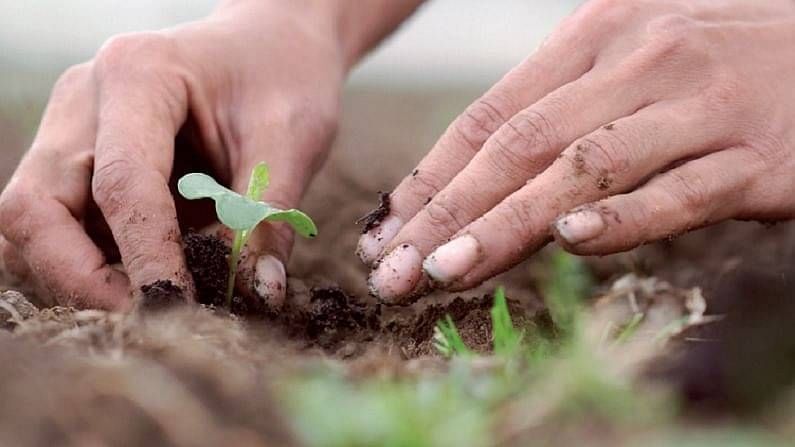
447	340
242	213
507	339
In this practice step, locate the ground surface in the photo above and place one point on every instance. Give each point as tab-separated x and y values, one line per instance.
193	376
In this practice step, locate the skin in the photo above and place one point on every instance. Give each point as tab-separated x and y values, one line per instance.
258	80
636	120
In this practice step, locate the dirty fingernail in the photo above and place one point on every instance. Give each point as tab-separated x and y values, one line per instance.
397	274
452	260
372	243
580	226
270	280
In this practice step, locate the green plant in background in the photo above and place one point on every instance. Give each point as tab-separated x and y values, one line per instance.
242	213
541	388
447	340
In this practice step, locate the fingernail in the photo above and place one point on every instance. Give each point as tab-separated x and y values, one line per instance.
372	243
397	274
453	260
270	280
580	226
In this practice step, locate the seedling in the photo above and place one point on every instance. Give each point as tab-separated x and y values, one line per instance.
242	213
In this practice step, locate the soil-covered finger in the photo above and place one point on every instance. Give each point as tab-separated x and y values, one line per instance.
532	80
139	115
66	264
685	198
613	159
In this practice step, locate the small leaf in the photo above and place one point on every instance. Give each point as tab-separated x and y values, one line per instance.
200	186
240	213
300	222
258	183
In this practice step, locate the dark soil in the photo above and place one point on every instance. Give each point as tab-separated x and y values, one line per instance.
472	317
376	216
330	319
161	294
327	317
207	261
747	359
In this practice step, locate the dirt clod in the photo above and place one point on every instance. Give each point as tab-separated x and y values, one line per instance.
161	294
331	318
207	261
376	216
604	182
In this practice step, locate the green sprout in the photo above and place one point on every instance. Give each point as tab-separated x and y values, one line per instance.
447	340
242	213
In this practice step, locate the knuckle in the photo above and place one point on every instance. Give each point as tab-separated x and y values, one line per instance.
479	121
72	76
112	182
601	156
669	25
517	220
14	205
522	145
723	94
607	5
669	38
690	191
133	53
443	216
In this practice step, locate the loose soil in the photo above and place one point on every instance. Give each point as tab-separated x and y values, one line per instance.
161	294
376	216
89	376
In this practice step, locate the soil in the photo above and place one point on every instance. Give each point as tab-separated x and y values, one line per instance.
328	317
213	366
376	216
161	294
207	258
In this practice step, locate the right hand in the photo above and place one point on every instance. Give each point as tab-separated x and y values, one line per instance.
255	81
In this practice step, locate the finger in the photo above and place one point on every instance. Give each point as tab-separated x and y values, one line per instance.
40	221
262	274
11	263
610	160
74	272
542	73
519	150
698	193
142	104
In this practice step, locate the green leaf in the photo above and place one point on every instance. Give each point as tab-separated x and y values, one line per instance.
200	186
240	213
300	222
507	339
259	181
235	211
447	340
243	213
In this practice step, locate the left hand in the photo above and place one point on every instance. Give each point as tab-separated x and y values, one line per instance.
635	121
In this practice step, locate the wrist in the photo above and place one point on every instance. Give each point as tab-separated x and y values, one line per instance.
352	26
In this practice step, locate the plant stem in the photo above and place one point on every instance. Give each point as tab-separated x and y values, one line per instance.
234	257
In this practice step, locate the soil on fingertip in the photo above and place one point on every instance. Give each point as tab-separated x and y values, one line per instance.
207	258
376	216
161	294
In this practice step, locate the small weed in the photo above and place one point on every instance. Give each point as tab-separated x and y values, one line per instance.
447	340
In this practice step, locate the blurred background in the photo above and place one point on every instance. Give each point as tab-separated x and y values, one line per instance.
448	41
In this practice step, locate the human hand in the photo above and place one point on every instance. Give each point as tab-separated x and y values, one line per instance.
255	81
635	121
